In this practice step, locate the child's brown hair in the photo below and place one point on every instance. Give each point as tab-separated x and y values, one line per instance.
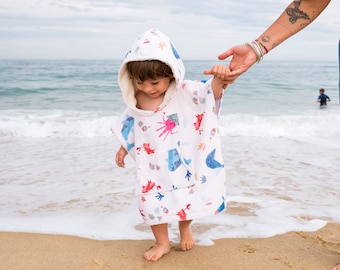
148	70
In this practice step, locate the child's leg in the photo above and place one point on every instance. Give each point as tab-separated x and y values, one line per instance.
187	240
162	246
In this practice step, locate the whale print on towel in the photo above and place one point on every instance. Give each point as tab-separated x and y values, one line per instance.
212	163
174	160
127	126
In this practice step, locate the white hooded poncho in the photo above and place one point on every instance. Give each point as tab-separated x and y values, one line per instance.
179	166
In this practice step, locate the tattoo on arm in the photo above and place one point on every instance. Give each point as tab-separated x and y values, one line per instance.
267	39
295	13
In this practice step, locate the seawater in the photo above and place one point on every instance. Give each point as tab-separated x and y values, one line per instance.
57	169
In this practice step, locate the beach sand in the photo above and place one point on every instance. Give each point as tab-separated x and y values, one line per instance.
318	250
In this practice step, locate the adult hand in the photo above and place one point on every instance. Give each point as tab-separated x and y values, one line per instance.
243	57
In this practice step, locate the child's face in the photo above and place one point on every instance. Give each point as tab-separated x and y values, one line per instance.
153	88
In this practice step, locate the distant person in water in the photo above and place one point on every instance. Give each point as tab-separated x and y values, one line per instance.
323	98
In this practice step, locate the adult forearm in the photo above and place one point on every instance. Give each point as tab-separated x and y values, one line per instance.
298	15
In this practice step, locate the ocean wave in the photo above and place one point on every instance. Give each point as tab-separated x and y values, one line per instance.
41	124
58	124
318	124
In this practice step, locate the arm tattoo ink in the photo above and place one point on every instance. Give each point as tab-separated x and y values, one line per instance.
295	13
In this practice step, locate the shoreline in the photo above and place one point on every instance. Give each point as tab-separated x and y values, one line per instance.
319	250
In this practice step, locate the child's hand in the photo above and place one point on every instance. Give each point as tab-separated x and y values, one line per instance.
120	156
243	57
220	72
219	83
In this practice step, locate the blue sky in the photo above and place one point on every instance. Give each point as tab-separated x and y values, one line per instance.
105	29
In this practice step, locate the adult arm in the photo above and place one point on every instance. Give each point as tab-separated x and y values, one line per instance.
298	15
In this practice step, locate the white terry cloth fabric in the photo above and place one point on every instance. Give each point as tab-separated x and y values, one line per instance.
179	165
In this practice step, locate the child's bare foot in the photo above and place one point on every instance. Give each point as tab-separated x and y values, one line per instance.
187	240
337	267
156	252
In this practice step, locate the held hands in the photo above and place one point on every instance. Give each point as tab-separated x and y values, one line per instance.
218	84
221	73
243	57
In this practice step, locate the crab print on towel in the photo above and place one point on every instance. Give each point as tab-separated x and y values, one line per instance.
197	124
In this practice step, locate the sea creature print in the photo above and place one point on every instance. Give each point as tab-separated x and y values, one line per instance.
196	99
146	147
127	53
221	207
159	196
213	133
201	146
155	32
142	213
142	126
127	126
168	125
187	161
161	45
174	160
154	166
212	163
197	124
149	186
203	179
129	146
188	175
182	214
157	211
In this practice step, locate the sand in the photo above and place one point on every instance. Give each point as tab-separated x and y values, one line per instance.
318	250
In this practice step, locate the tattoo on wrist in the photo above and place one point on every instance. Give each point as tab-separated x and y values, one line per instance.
295	13
265	38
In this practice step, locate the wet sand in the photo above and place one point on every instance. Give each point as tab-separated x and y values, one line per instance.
318	250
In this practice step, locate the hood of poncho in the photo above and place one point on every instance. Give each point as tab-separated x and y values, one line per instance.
151	45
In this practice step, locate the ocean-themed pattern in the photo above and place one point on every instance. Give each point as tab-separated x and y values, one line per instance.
127	130
179	164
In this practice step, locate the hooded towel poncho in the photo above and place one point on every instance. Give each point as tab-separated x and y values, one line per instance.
179	166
